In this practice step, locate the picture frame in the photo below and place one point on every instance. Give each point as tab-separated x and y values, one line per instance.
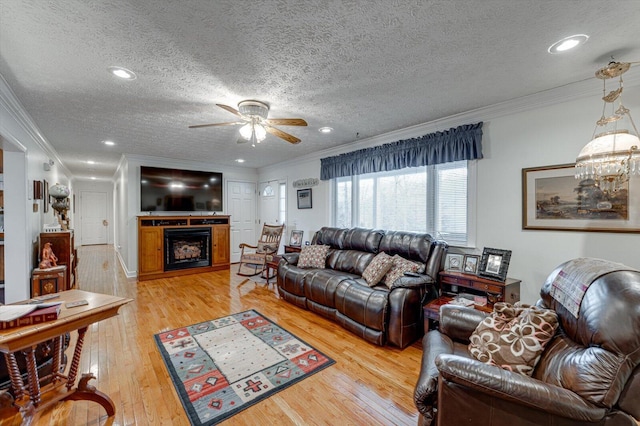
494	264
470	264
296	238
304	199
37	190
453	262
45	196
553	200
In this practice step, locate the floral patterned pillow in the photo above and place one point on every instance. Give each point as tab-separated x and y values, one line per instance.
313	256
377	268
513	337
400	266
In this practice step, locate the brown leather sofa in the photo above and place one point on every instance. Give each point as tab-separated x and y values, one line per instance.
588	374
377	314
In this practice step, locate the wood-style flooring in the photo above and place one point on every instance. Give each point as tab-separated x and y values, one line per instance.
368	385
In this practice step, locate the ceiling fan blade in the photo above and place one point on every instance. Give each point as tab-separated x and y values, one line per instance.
286	122
232	110
230	123
282	135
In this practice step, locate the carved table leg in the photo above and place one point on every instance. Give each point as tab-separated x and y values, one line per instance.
75	362
89	393
14	373
57	356
32	374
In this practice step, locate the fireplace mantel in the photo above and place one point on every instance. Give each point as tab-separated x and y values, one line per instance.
151	244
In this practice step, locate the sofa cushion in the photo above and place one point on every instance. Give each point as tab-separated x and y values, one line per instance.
313	256
513	336
377	269
400	266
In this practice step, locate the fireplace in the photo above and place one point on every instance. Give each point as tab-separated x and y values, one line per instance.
187	248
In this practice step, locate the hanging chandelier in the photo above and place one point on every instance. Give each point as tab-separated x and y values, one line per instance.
613	155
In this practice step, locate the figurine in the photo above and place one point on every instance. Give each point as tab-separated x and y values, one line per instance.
49	259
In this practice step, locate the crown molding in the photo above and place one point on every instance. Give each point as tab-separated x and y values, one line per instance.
14	108
570	92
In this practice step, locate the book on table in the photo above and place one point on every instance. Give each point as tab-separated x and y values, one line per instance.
12	316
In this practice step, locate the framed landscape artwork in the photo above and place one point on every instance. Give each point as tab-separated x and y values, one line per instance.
553	199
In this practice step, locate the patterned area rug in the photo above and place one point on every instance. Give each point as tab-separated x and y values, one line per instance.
223	366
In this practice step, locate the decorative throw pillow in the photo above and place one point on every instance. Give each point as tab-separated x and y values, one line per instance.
399	267
313	256
377	268
513	337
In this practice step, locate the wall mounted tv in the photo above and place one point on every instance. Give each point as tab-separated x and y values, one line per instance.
173	190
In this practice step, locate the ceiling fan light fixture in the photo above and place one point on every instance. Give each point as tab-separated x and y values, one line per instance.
250	129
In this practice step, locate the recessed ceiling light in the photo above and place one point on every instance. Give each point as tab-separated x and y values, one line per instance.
109	143
325	129
568	43
93	178
91	162
240	160
122	73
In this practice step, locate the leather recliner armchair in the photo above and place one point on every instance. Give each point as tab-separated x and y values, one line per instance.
588	374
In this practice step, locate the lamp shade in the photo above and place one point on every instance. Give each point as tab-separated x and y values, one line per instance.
609	144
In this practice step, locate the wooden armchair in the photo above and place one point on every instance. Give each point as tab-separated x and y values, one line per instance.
253	259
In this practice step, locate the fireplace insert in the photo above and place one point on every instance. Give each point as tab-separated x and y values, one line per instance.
187	248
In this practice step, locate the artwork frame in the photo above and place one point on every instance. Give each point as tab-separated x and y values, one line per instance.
296	238
470	264
453	262
45	196
305	199
494	264
37	190
553	200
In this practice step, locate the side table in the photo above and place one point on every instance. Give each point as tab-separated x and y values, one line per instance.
272	265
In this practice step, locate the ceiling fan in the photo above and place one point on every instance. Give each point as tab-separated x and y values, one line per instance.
256	125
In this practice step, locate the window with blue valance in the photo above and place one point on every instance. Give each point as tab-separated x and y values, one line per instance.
462	143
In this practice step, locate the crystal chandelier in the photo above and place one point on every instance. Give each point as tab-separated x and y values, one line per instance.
612	156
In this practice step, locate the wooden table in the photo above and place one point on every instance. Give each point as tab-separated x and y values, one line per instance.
28	399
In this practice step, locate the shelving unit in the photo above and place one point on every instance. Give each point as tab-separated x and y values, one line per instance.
2	226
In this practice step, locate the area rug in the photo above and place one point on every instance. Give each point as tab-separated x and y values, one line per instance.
224	366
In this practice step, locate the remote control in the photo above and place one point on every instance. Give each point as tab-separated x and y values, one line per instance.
77	303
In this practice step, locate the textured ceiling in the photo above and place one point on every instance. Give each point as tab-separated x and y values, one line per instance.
362	67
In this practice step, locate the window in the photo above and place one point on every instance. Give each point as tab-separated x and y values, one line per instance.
282	205
432	199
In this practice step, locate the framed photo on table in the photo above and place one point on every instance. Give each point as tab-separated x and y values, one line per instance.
494	264
296	238
470	264
304	199
453	262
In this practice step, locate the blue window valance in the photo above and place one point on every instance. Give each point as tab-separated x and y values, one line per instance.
462	143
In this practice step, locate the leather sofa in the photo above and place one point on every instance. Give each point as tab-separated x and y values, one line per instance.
588	374
378	314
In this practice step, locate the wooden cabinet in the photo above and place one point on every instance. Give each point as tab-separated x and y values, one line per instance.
453	283
292	249
46	281
63	245
156	256
150	250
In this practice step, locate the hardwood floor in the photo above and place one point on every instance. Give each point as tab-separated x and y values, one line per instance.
368	384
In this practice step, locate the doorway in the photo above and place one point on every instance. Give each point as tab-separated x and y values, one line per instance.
94	214
241	199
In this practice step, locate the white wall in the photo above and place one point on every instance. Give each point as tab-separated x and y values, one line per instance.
541	136
25	152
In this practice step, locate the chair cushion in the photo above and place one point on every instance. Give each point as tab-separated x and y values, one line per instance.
266	247
313	256
377	268
513	336
399	267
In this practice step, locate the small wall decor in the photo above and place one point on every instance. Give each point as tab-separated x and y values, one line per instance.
553	199
45	196
470	264
304	199
37	190
306	183
296	238
494	264
453	262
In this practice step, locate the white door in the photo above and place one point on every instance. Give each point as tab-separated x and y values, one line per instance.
93	216
241	202
269	211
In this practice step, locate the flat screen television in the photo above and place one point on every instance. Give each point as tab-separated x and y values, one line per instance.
173	190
